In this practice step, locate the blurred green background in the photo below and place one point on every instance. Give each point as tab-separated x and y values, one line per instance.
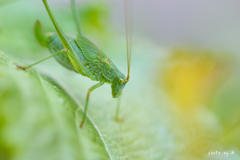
182	101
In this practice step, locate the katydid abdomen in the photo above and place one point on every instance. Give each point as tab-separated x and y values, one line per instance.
55	44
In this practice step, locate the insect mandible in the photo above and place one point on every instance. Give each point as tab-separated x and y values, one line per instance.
82	56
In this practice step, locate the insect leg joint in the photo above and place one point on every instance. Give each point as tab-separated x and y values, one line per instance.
107	61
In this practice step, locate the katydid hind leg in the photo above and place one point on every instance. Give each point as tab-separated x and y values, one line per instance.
71	52
61	35
87	100
52	55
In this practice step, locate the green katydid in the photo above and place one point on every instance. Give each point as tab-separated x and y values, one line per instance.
82	56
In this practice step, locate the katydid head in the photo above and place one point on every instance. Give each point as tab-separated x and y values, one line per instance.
118	84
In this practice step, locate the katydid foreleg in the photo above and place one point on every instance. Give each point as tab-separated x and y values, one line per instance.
87	99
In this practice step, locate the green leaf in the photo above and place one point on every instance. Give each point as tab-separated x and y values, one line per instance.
39	120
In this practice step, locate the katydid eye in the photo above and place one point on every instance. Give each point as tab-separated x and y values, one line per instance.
120	80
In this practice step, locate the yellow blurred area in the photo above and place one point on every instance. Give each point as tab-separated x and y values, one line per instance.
191	76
